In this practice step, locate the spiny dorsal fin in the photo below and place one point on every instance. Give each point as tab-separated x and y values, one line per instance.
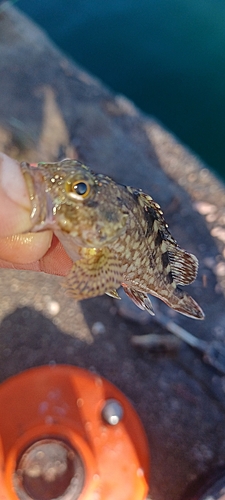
183	265
96	273
153	214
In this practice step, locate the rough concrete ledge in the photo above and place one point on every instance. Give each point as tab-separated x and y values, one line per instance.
51	108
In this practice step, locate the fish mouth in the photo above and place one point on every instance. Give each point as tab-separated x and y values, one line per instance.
42	209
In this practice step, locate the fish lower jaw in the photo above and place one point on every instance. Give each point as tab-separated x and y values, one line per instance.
42	211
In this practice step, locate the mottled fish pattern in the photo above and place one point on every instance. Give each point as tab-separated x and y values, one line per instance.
115	235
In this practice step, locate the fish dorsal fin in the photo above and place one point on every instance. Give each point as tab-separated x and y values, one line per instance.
153	215
96	273
184	265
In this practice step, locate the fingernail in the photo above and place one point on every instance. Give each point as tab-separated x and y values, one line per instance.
12	181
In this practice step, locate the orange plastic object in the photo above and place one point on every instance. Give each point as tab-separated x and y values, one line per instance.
65	405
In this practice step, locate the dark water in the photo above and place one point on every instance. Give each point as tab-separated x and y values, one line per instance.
168	56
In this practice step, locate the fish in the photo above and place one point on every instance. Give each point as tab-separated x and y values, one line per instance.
116	236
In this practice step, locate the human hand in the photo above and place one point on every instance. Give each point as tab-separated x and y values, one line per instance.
20	249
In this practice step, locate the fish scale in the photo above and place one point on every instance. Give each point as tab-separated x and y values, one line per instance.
115	235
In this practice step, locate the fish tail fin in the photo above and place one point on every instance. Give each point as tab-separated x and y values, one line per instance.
185	304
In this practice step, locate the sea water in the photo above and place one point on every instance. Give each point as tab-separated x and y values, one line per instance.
168	56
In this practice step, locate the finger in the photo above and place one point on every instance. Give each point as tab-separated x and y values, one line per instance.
25	248
15	205
55	261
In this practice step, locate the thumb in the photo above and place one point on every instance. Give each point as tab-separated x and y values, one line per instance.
15	205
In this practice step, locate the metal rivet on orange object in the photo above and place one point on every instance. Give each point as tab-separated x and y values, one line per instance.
68	434
112	412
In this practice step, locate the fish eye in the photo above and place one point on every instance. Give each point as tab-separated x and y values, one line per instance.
78	189
81	188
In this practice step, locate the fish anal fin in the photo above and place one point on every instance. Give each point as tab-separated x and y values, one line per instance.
96	273
141	299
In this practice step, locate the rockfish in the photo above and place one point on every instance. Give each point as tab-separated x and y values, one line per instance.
115	235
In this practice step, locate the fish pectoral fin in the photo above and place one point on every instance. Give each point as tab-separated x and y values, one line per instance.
141	299
184	265
96	273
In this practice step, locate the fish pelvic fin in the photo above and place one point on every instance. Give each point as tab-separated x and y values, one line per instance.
113	293
141	299
96	273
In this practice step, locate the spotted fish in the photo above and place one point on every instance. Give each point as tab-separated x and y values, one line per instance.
114	234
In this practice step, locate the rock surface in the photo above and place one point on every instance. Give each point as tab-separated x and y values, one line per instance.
51	108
